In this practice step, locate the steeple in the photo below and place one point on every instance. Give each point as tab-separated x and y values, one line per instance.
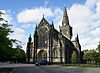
52	24
77	41
78	46
77	38
36	26
35	33
65	17
43	15
43	18
66	28
30	39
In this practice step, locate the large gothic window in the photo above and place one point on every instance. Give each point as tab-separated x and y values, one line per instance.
43	37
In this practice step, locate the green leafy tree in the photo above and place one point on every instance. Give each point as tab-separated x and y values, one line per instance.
7	53
5	42
18	55
97	58
98	48
74	58
87	55
92	56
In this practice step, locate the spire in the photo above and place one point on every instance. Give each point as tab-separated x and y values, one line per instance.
43	15
35	33
30	35
52	24
78	46
36	26
65	17
35	29
30	39
65	11
43	18
77	38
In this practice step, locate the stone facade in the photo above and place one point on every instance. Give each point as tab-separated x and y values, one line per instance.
51	45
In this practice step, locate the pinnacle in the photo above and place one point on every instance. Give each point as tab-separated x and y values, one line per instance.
65	17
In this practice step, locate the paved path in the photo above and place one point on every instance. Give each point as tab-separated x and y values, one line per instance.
31	68
15	65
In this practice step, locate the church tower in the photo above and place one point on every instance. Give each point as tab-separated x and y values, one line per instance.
66	28
29	49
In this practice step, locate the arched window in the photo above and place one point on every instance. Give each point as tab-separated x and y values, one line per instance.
55	53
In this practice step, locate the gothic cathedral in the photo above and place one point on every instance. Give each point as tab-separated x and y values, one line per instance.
52	45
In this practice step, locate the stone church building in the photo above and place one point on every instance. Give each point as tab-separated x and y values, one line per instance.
52	45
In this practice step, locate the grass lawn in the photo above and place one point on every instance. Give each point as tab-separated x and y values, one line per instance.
82	65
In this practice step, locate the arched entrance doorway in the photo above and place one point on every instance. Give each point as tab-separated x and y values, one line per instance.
42	55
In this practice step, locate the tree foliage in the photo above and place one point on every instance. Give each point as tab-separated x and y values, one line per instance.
18	55
92	55
5	42
74	58
98	48
7	53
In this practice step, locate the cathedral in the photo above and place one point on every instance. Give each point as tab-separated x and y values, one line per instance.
52	45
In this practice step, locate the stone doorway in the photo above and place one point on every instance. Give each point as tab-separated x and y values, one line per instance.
42	55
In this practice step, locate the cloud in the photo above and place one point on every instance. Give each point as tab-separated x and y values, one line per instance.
91	3
18	34
95	32
89	43
33	15
7	16
26	26
85	21
80	18
98	8
83	18
57	17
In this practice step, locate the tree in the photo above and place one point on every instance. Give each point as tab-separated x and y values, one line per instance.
98	54
5	42
91	56
98	48
87	55
19	55
7	53
74	58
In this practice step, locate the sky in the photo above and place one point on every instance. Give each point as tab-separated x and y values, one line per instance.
84	17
